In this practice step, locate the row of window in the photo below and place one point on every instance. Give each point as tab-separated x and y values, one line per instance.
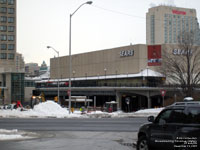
7	37
4	19
5	10
5	28
179	16
9	47
174	24
7	56
10	2
184	22
152	29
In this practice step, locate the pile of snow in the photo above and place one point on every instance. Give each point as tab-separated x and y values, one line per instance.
15	135
50	108
42	110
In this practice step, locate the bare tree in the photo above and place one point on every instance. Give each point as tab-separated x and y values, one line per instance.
182	65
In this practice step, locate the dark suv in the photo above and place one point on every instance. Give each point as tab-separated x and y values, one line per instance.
177	127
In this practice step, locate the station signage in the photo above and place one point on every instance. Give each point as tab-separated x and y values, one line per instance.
181	52
127	53
154	55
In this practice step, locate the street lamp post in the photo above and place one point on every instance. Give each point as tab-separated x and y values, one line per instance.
58	72
147	75
70	59
74	75
105	76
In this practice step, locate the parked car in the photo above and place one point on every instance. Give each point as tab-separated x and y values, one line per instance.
177	127
8	106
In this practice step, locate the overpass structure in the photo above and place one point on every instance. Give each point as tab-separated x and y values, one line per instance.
139	97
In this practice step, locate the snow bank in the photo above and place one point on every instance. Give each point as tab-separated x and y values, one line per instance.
15	135
148	112
42	110
50	109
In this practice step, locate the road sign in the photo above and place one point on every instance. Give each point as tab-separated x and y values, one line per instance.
68	92
163	92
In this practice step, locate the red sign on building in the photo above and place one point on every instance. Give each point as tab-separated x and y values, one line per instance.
154	55
178	12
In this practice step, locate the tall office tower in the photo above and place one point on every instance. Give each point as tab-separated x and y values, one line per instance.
165	23
7	35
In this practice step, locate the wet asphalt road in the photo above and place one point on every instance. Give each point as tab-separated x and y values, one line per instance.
74	134
53	124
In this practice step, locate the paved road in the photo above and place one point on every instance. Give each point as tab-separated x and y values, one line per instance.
108	124
74	134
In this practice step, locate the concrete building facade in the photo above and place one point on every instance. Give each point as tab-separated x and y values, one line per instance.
11	66
165	23
122	60
32	69
8	35
20	64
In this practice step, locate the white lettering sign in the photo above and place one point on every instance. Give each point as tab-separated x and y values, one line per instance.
181	52
127	53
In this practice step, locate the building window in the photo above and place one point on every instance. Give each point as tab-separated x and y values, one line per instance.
3	19
10	28
11	10
3	46
10	37
3	28
3	1
3	10
152	29
3	37
11	46
10	19
11	56
11	2
3	56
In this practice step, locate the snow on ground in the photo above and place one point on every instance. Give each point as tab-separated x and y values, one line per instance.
42	110
50	109
148	112
15	135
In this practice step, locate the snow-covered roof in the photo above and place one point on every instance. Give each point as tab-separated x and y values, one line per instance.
144	73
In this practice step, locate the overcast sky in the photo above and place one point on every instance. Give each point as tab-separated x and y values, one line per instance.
104	24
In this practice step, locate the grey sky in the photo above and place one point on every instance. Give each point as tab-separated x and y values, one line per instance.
104	24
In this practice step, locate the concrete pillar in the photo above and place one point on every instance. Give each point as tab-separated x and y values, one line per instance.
119	100
7	93
140	102
94	102
149	99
